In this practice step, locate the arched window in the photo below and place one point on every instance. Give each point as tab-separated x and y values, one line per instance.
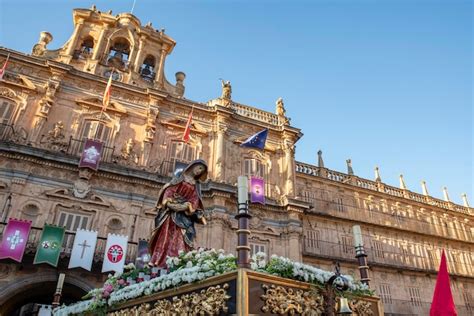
87	46
147	69
114	226
119	53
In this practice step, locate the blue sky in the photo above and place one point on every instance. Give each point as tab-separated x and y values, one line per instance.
385	83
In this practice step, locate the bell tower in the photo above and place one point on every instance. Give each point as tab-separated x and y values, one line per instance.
103	43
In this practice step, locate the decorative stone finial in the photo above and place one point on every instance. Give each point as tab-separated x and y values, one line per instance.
445	194
403	186
350	171
320	159
280	107
465	202
93	7
424	189
377	175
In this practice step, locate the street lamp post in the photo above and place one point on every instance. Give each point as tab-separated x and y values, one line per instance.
361	255
58	292
243	231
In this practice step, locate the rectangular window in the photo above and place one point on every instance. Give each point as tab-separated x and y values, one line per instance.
385	293
72	222
255	248
254	167
377	248
415	297
339	204
468	301
312	239
347	245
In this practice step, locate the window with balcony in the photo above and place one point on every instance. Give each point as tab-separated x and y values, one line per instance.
256	248
72	221
467	298
97	130
253	167
7	108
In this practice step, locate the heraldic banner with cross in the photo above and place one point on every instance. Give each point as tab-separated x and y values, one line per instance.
83	249
15	237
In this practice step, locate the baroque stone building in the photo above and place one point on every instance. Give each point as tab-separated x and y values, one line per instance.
50	102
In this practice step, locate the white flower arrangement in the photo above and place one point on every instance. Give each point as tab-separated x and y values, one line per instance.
197	265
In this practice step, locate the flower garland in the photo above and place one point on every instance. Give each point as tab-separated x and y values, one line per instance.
193	266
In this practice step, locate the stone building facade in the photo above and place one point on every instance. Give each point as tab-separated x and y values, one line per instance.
50	102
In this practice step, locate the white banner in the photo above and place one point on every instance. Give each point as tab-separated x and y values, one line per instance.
115	253
83	250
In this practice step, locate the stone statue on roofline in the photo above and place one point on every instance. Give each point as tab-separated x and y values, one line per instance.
179	207
226	90
281	112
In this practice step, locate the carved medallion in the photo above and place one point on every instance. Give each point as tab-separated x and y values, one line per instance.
279	300
81	188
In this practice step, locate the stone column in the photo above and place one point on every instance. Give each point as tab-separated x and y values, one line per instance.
161	71
219	156
74	37
136	66
100	43
289	150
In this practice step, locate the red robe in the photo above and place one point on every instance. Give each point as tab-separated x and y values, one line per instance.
169	236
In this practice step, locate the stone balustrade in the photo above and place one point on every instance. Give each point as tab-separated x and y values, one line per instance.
374	186
256	114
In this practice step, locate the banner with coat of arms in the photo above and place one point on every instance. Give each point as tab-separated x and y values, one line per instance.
15	237
49	246
91	154
115	253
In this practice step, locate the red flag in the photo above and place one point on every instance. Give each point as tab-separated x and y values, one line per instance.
2	71
187	130
443	303
106	99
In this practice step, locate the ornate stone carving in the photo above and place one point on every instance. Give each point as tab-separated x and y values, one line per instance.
279	300
81	188
128	155
56	140
362	308
210	301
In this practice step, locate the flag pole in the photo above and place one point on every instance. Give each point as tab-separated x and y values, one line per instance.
106	104
59	290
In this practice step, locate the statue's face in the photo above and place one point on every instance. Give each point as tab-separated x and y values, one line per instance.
198	170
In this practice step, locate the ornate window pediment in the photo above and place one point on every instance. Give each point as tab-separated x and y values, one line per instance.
96	103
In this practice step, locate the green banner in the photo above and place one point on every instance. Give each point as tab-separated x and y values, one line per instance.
50	244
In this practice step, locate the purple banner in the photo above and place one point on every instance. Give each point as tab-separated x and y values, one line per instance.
90	157
257	190
15	237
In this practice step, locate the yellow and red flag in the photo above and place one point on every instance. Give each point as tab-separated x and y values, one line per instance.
106	99
2	71
187	130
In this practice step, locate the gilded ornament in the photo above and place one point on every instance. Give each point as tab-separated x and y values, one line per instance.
279	300
210	301
361	308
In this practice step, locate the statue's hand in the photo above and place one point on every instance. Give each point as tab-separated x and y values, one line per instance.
178	207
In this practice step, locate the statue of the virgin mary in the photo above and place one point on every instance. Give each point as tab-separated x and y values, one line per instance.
179	206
